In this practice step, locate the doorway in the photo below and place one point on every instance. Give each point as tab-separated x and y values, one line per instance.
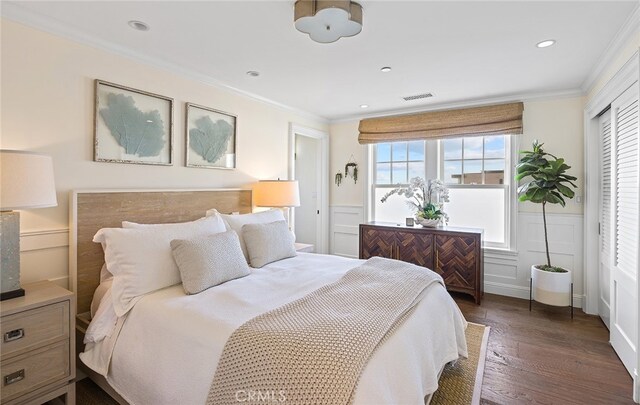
307	160
309	165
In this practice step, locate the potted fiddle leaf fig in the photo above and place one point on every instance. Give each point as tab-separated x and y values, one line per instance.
548	183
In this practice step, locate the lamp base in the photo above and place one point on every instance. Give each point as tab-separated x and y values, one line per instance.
10	255
12	294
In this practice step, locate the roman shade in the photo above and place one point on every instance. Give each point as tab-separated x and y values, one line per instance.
486	120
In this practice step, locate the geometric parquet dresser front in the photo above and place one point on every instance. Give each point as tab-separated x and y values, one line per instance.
454	253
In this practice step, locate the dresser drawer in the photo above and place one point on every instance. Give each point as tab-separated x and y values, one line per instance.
33	370
34	328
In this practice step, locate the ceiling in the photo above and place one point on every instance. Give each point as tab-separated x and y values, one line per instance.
459	51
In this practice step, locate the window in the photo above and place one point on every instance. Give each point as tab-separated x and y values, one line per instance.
474	160
476	169
395	163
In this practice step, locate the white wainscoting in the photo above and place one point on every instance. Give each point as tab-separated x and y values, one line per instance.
505	272
565	247
44	255
344	230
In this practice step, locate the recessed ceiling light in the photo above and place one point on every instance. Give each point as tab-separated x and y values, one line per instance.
385	69
546	43
253	73
138	25
364	105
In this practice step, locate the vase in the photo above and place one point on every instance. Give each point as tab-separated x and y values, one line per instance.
429	223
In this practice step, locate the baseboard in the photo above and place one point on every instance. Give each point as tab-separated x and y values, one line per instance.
518	291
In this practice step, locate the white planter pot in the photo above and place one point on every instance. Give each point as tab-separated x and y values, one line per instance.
551	288
429	223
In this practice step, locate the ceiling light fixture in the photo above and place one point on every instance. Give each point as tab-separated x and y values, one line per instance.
385	69
253	73
138	25
364	105
546	43
327	21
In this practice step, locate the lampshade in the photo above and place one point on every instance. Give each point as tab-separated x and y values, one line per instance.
328	20
276	193
26	180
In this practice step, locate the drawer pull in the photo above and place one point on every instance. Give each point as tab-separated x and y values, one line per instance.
13	335
14	377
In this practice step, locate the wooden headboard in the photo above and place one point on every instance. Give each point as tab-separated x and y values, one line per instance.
95	209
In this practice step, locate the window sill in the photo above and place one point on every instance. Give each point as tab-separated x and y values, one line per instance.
501	251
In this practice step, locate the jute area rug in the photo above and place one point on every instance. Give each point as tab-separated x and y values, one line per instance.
460	383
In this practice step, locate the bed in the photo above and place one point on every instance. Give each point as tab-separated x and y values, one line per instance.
166	349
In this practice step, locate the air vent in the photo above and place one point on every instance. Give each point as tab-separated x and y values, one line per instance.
417	97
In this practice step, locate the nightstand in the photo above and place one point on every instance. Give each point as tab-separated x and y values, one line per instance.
305	247
37	350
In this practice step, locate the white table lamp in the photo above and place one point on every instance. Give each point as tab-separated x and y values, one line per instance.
276	193
26	181
281	194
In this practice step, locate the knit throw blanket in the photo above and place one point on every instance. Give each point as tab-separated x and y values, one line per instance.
313	350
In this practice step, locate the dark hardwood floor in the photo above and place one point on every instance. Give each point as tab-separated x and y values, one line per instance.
544	357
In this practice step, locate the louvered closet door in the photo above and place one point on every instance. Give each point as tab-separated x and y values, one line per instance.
604	273
626	226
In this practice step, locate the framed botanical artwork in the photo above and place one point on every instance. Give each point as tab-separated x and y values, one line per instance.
132	126
211	138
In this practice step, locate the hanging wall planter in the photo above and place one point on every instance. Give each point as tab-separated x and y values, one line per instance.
350	170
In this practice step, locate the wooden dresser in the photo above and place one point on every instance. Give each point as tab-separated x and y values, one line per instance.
454	253
38	345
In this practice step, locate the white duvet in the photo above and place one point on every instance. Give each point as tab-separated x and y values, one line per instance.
165	350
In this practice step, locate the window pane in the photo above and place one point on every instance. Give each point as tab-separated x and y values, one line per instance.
452	148
383	173
383	152
453	172
472	171
399	151
473	147
478	208
395	209
494	171
416	150
416	169
494	146
399	173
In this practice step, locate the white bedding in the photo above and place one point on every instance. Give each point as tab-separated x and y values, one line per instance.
165	350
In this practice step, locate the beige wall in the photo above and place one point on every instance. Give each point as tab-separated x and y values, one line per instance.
344	143
557	123
48	106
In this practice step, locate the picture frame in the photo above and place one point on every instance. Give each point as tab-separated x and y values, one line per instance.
211	138
132	126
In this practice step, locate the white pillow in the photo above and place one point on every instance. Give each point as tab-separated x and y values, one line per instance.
207	261
103	322
140	258
267	243
236	222
99	293
208	218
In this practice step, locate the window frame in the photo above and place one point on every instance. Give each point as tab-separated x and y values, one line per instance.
373	176
510	200
434	168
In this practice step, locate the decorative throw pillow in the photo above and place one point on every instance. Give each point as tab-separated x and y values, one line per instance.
140	258
267	243
210	260
236	222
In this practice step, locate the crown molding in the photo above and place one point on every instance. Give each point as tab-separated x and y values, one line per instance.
524	97
14	12
630	28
